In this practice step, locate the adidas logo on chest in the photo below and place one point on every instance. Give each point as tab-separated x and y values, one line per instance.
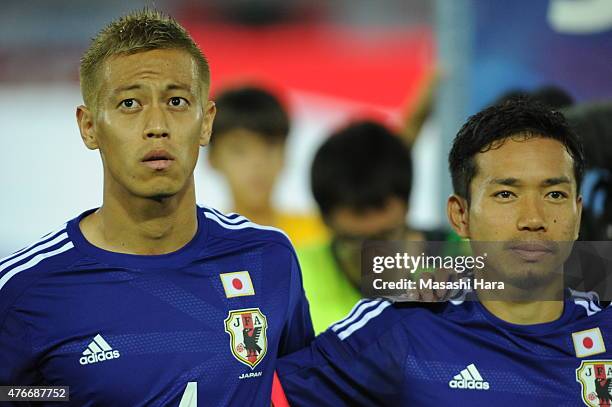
98	351
469	379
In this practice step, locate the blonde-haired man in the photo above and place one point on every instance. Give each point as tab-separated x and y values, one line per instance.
150	299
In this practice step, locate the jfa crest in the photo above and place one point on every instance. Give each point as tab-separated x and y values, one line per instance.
247	331
595	377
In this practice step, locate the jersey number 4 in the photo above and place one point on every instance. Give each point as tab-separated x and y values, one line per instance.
190	395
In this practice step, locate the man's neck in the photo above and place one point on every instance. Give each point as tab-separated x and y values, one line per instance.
143	226
525	313
537	303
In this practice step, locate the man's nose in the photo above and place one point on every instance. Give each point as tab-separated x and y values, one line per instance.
532	217
156	126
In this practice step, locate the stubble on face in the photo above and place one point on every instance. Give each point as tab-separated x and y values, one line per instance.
525	210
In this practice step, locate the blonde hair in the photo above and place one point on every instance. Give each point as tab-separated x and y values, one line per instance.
138	31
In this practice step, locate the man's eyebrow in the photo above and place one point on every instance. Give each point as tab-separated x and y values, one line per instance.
555	181
178	86
126	88
546	183
171	86
505	181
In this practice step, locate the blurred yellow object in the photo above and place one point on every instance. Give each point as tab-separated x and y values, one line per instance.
330	294
303	230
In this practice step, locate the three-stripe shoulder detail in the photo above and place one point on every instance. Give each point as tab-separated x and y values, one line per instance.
362	313
48	246
236	222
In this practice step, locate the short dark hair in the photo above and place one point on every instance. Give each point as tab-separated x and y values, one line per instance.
253	109
361	166
552	96
515	117
138	31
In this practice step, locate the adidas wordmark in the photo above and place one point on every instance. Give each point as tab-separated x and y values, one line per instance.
98	351
469	379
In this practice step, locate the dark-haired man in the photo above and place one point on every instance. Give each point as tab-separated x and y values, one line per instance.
516	172
150	300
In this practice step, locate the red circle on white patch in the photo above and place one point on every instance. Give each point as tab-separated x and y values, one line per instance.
587	342
237	284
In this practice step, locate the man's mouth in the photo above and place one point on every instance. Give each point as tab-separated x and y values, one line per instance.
533	251
158	160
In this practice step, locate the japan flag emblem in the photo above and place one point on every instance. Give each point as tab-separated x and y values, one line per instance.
237	284
588	343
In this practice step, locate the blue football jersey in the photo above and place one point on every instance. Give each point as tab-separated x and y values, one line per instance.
200	326
455	354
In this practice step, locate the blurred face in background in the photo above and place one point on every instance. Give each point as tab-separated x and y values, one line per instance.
151	117
250	163
351	228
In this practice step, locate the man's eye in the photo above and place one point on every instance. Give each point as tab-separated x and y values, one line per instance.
129	103
178	101
557	195
504	194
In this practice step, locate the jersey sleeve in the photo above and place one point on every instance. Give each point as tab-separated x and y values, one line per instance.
17	364
365	368
298	331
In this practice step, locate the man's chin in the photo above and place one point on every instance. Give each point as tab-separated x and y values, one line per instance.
529	279
160	189
531	285
159	194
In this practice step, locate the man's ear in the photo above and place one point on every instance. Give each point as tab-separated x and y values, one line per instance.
209	117
458	215
85	120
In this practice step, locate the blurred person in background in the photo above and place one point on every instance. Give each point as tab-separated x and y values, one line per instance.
248	148
593	122
361	179
150	299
